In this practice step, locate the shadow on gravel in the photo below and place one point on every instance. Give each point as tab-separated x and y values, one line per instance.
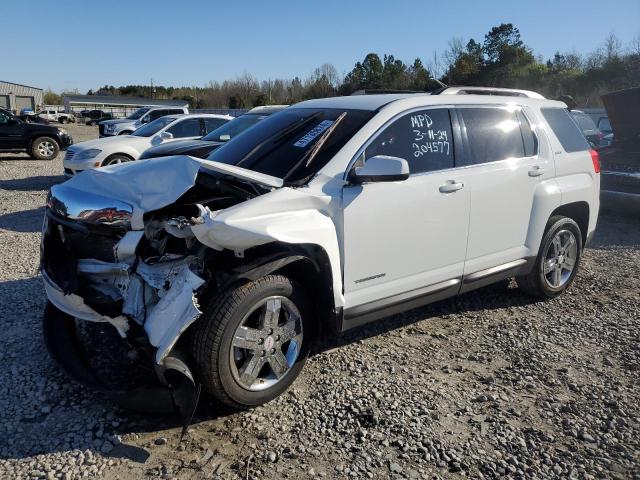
42	182
25	221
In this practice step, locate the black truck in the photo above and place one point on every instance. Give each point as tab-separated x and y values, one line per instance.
620	163
42	142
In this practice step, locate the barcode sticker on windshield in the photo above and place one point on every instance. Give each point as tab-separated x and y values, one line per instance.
311	135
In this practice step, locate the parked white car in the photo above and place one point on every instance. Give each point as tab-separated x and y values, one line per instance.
325	216
125	148
55	116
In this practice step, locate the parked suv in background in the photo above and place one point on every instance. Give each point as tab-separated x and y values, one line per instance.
205	145
42	142
125	126
589	129
102	152
331	214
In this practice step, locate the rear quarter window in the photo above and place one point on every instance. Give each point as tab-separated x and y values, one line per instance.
565	129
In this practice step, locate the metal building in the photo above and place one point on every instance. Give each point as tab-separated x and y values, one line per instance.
15	97
118	106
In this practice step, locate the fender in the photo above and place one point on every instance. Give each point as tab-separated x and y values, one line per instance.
546	198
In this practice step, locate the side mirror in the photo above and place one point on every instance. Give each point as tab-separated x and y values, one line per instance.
164	136
381	168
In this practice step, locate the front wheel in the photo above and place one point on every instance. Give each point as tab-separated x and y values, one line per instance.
252	342
557	261
116	160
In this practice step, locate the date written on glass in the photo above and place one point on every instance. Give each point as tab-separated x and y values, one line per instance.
427	139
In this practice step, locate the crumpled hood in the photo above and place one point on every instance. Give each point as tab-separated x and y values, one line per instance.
148	185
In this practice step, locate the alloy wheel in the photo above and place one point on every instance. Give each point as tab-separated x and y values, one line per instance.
46	148
560	259
266	344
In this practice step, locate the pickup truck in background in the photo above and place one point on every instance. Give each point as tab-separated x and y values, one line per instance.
620	162
54	116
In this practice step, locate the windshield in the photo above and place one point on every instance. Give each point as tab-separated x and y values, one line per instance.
153	127
138	113
293	144
231	129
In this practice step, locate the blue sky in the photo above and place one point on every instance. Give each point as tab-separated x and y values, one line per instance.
85	44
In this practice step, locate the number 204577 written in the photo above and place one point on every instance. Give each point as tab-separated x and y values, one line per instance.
430	141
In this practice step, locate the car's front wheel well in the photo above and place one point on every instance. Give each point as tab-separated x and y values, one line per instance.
579	213
107	161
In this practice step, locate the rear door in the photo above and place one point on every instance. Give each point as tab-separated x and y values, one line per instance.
406	239
187	128
502	171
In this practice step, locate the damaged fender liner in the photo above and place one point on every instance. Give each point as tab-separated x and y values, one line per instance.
62	343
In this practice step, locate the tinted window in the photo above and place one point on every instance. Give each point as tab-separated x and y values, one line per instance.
294	143
210	124
154	127
563	126
232	128
422	138
4	118
493	134
186	128
174	111
157	114
528	137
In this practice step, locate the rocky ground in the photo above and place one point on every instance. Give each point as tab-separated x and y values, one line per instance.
488	384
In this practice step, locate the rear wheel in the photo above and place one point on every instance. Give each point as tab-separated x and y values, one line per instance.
44	148
252	342
557	261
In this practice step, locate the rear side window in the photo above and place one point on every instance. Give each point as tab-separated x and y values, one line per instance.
584	122
563	126
186	128
423	138
494	134
210	124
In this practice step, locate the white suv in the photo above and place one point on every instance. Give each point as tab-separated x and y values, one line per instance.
322	217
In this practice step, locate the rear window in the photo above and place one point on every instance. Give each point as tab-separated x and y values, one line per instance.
567	131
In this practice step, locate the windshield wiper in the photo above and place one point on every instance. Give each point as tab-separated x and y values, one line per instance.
282	136
311	154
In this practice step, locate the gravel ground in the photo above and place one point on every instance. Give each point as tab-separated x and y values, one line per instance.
485	385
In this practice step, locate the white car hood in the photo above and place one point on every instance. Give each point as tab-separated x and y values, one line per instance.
109	142
148	185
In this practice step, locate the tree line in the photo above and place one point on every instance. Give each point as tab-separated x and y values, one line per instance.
501	59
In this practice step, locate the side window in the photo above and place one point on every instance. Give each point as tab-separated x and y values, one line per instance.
563	126
528	137
3	119
423	138
210	124
492	133
186	128
175	111
154	115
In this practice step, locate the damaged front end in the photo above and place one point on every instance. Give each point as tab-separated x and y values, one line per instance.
145	282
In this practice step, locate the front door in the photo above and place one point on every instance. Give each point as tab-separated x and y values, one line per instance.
11	132
406	238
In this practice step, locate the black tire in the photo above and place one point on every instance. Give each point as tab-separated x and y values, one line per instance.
535	283
214	333
44	148
116	159
63	121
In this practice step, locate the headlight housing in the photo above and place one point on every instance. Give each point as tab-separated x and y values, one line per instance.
87	154
62	131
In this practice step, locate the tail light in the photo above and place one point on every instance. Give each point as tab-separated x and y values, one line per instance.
595	158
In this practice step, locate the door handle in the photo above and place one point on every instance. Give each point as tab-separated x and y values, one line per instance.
536	171
450	186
